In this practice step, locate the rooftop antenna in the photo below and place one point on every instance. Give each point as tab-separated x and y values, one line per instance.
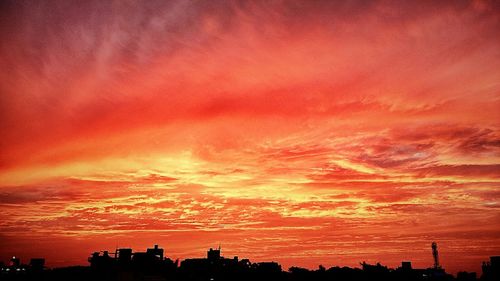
435	255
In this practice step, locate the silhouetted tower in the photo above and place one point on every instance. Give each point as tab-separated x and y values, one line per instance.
435	254
213	255
157	252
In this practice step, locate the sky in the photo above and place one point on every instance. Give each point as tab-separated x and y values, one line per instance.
304	132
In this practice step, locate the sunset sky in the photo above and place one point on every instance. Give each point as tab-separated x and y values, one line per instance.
305	132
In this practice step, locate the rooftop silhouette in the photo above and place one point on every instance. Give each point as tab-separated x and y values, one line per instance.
124	264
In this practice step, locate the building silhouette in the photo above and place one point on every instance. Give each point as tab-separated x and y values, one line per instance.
157	252
491	269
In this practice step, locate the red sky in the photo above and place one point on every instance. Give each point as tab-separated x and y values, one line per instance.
306	132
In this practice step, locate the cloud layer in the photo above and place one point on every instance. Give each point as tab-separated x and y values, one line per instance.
352	131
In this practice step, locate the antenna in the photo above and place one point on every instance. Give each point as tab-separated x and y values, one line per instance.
435	254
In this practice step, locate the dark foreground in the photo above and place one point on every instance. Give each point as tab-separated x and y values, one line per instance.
151	265
255	272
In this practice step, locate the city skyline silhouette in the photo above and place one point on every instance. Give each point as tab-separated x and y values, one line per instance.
153	264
